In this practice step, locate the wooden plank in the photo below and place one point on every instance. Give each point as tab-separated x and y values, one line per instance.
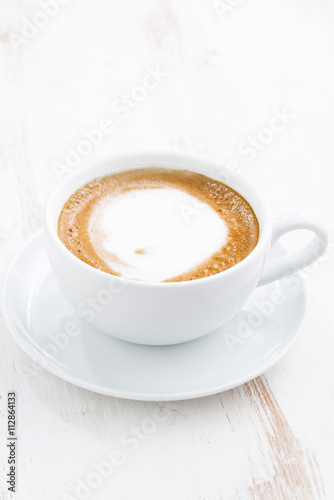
227	73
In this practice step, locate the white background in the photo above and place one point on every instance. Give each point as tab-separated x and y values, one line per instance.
227	74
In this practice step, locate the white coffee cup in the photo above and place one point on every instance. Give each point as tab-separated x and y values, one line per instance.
170	313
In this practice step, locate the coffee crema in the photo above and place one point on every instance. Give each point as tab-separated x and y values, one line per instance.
159	225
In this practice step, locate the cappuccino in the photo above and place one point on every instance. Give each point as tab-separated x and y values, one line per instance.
158	225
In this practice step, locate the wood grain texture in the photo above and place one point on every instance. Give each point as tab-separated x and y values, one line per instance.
272	438
295	471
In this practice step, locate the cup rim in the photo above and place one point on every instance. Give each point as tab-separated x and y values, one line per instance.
152	156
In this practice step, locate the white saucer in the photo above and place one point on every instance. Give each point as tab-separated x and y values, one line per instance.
34	306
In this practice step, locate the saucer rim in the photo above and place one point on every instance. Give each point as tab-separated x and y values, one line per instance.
24	341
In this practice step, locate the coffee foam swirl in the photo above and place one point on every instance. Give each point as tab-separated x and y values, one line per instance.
158	225
155	234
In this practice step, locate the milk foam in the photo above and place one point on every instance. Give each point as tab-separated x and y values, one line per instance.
155	234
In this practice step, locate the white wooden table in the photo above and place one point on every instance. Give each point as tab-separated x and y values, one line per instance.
223	70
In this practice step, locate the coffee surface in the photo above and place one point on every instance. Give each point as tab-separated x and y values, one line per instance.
155	224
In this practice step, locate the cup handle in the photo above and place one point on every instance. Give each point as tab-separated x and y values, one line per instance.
283	266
